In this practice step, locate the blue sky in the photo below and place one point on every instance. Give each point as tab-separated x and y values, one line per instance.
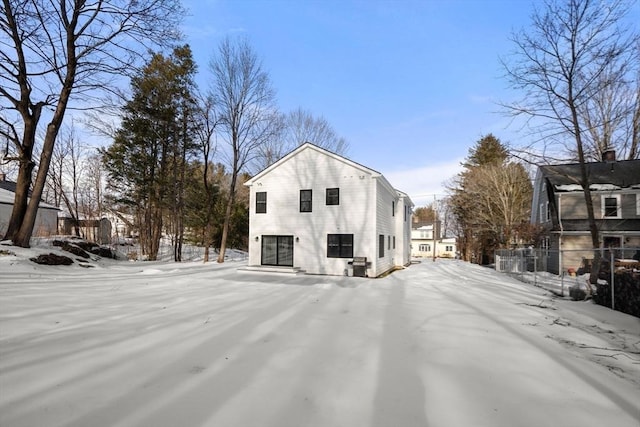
411	85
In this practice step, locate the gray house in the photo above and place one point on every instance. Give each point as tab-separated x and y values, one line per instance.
46	219
559	208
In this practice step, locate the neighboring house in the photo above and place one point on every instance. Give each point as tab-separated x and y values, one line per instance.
316	211
559	207
422	243
46	219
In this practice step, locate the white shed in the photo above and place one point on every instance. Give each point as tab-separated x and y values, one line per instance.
316	211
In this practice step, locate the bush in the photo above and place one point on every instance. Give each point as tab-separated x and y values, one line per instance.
626	293
52	259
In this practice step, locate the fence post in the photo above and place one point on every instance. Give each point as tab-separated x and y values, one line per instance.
611	281
535	267
561	271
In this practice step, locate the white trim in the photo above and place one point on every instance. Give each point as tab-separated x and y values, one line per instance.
603	207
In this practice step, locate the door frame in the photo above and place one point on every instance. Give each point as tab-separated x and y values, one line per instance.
279	239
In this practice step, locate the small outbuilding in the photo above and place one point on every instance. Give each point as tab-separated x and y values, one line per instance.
46	219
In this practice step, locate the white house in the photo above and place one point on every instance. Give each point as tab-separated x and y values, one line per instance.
316	211
423	245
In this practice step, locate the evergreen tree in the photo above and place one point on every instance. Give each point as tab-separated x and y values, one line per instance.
147	159
490	200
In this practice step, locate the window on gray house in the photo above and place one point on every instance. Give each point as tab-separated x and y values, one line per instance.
611	207
333	196
381	245
261	202
339	245
306	197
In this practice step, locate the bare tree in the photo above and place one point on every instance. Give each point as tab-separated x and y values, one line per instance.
245	102
300	126
91	188
53	52
612	115
502	194
560	64
207	147
65	173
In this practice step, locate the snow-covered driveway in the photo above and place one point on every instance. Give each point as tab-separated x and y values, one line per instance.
439	344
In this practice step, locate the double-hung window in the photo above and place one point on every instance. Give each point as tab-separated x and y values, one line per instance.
339	245
306	200
261	202
381	245
333	196
611	206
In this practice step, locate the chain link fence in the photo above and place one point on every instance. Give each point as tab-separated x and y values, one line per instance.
561	270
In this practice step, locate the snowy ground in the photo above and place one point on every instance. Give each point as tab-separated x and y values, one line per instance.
439	344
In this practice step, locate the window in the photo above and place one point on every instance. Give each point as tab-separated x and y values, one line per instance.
333	196
261	202
388	242
544	212
306	197
611	206
339	245
637	204
424	248
394	242
393	208
381	245
406	212
448	248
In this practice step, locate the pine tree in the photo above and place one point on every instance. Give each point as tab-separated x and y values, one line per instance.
147	159
491	200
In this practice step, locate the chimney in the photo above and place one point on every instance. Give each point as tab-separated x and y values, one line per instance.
609	155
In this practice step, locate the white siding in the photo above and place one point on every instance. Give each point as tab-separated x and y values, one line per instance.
403	230
385	225
313	170
364	211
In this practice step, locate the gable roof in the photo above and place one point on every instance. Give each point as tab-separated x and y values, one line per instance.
621	174
310	146
7	198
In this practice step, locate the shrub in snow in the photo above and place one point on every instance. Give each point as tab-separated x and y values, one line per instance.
626	293
52	259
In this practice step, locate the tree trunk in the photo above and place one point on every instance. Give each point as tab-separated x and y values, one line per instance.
23	236
229	209
227	221
584	178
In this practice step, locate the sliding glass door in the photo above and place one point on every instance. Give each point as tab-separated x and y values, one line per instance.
277	250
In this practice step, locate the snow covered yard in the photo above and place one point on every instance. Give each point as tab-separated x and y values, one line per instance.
439	344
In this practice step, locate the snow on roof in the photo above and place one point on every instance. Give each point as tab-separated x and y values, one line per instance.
592	187
7	197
